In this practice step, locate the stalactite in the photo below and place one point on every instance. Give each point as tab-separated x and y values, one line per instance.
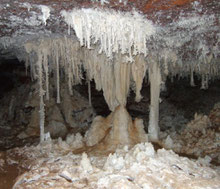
155	81
122	72
192	83
70	78
113	30
110	70
139	68
58	78
108	85
45	66
113	77
89	93
41	94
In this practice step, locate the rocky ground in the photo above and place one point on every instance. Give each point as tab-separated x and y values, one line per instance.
55	164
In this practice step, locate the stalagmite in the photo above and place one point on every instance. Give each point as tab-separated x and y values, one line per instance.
155	81
116	129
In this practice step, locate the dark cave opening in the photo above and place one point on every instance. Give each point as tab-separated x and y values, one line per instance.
12	75
14	85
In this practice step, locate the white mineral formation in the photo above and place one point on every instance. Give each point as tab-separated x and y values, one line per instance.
46	13
115	31
85	163
155	81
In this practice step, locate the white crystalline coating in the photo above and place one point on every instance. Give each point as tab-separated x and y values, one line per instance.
15	20
113	30
101	1
191	27
32	20
114	163
146	148
27	5
123	1
46	13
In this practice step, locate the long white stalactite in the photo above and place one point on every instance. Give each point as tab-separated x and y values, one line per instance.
58	78
139	68
41	94
46	70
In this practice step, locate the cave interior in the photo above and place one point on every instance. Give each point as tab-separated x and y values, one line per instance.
90	90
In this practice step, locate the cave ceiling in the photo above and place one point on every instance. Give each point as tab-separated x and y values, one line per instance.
187	25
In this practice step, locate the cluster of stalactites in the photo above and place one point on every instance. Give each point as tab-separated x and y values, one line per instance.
114	76
55	56
65	56
116	32
206	68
